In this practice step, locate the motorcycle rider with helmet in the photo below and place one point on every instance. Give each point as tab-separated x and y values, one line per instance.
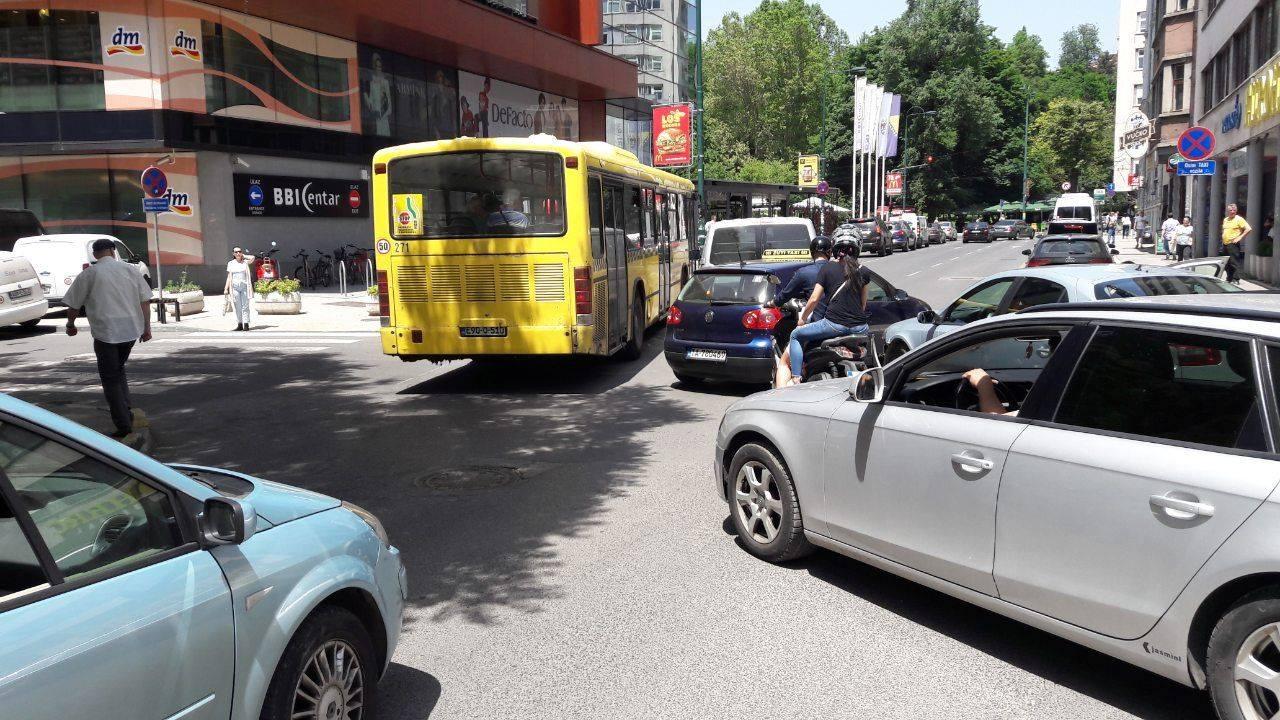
800	286
843	284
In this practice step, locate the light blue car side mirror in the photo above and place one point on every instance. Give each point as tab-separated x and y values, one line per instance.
227	522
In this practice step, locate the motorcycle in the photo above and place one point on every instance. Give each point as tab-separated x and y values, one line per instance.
268	268
843	356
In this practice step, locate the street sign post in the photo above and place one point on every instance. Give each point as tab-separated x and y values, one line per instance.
155	200
893	184
1198	167
1196	143
1137	134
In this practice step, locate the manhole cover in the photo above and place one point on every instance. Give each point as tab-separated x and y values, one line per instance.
470	478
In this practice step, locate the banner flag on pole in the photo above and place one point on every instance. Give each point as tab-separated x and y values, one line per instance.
895	120
882	126
859	111
872	120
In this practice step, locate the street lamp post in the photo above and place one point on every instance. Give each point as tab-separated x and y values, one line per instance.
1026	118
702	198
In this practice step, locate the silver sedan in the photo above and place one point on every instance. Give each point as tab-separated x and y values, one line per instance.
1106	473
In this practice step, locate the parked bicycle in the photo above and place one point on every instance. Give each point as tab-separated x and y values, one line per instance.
355	259
312	274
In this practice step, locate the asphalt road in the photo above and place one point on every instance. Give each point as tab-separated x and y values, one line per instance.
567	555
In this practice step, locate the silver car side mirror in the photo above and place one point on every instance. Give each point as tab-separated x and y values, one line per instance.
227	522
867	386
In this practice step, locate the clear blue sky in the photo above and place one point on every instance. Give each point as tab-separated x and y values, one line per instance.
1046	18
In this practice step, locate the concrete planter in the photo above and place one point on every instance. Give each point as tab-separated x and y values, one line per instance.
190	301
371	307
278	303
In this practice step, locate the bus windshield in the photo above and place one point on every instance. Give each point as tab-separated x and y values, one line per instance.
483	194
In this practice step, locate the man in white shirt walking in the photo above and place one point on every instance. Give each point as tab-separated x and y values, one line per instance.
117	299
1167	230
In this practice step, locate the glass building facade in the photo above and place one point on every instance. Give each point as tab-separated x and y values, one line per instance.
659	38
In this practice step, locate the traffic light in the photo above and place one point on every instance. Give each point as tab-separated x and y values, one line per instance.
928	159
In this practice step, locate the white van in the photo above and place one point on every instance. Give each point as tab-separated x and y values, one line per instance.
22	300
1075	206
766	239
60	258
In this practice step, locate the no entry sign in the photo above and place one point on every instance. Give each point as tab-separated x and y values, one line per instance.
1196	143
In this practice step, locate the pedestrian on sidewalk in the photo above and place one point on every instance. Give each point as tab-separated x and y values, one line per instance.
237	287
1234	230
117	300
1167	229
1111	234
1125	225
1184	239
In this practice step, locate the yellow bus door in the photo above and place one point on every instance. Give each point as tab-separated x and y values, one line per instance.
615	251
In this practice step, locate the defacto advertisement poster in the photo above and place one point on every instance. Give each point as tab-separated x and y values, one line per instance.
809	171
672	135
493	108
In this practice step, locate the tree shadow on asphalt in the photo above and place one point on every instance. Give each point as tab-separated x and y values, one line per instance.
1123	686
407	693
529	470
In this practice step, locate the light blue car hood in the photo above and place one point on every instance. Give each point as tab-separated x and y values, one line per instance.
272	501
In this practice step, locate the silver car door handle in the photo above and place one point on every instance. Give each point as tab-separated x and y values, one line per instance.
1190	507
972	462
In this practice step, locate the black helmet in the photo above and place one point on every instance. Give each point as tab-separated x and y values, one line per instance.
845	246
820	245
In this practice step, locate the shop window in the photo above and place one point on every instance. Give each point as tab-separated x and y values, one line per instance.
76	38
25	87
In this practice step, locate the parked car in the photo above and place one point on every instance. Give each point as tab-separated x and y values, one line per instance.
874	236
977	231
948	230
780	239
900	236
1070	250
225	595
934	234
1128	504
1020	289
1210	266
21	296
720	329
17	223
1011	230
58	259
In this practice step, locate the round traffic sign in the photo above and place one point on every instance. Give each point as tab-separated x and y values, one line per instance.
1196	143
1066	186
823	188
353	199
154	182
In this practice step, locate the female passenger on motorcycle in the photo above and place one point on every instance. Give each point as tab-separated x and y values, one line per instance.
843	282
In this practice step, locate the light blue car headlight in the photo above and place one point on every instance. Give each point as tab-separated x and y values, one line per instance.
371	520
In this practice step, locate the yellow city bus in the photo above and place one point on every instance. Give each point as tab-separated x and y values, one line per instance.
524	246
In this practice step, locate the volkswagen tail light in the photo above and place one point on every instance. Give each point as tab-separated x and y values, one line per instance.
674	316
761	319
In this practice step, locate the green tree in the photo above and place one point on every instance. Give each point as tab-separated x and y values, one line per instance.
1071	141
1080	46
1027	54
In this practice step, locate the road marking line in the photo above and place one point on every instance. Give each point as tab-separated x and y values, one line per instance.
914	273
937	265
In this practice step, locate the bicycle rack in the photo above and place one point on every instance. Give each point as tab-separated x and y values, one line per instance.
369	278
342	278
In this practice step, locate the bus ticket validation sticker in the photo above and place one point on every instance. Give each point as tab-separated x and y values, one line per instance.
407	214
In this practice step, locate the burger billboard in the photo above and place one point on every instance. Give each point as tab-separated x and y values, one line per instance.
672	135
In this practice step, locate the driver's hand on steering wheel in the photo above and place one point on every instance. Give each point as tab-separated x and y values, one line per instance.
976	377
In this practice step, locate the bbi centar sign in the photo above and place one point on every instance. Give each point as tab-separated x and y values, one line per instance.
288	196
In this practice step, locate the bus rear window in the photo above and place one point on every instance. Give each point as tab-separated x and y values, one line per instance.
747	243
482	194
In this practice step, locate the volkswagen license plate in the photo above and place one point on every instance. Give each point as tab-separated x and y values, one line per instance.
483	331
20	293
710	355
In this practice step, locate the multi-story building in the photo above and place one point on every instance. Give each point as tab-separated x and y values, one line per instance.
268	113
1131	53
659	38
1169	73
1238	98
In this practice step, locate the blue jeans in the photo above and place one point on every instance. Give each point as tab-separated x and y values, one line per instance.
817	330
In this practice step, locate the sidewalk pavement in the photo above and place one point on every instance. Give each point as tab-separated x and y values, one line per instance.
322	311
1147	255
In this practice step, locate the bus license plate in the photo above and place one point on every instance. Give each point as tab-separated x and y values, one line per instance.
483	331
20	293
710	355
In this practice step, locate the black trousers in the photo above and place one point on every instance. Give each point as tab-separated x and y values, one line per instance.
1236	261
111	360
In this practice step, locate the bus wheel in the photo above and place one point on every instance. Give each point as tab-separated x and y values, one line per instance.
635	340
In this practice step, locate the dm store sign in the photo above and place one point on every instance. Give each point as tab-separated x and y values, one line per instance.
288	196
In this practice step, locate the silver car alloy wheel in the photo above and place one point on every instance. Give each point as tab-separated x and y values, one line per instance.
758	504
331	686
1257	674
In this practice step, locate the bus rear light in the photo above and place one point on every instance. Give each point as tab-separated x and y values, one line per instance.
762	319
674	316
384	296
582	290
379	168
571	162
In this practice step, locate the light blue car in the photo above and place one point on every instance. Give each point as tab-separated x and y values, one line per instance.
133	590
1016	290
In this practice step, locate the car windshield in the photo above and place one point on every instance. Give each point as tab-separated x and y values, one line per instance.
745	243
727	289
478	194
1151	285
1069	247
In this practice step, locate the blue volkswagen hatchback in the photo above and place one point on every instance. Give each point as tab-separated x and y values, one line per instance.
132	590
720	328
